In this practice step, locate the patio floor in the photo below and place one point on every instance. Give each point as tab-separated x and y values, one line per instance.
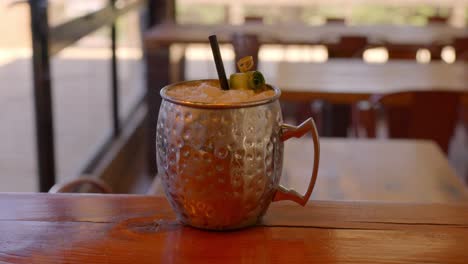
81	112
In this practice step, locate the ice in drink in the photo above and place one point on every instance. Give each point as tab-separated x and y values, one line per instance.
210	92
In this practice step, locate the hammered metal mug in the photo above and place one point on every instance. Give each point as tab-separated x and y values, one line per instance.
220	164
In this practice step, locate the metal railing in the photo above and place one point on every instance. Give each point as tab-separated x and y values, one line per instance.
48	41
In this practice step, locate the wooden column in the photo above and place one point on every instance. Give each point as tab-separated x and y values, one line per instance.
157	74
42	95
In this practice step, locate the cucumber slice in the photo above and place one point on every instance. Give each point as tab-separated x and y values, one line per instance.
239	81
256	81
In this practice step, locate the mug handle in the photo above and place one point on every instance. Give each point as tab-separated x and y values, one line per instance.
287	132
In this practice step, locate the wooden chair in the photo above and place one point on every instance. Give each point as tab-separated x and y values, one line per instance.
416	114
437	20
409	52
253	20
348	47
77	185
461	48
335	21
368	116
364	115
401	52
436	51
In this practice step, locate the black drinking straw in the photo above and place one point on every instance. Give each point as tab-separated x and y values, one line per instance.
219	62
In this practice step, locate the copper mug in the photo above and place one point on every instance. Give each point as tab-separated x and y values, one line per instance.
220	164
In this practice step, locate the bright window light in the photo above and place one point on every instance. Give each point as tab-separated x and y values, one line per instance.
375	55
423	56
318	53
448	54
203	52
271	53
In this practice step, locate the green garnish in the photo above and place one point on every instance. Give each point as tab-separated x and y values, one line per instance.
239	81
247	80
256	80
251	80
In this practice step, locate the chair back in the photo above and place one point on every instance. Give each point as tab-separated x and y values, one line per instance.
401	52
348	47
461	48
422	115
77	185
253	20
437	20
335	21
245	45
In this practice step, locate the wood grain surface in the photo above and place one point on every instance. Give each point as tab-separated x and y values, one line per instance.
44	228
376	170
349	81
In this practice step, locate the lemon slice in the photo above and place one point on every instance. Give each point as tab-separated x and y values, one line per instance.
245	64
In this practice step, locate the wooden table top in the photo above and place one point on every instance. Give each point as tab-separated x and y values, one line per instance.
348	81
376	170
45	228
167	34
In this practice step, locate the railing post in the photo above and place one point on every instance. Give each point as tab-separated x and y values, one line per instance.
114	80
157	75
42	94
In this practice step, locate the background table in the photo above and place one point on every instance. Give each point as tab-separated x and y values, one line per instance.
377	170
167	34
335	81
43	228
367	169
349	81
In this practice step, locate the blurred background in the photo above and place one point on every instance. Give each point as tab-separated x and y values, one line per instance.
83	104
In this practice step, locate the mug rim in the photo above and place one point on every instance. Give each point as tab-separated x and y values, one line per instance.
216	105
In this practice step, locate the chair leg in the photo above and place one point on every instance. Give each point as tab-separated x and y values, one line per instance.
368	118
317	114
464	117
336	119
464	120
398	122
306	110
289	111
355	120
364	117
